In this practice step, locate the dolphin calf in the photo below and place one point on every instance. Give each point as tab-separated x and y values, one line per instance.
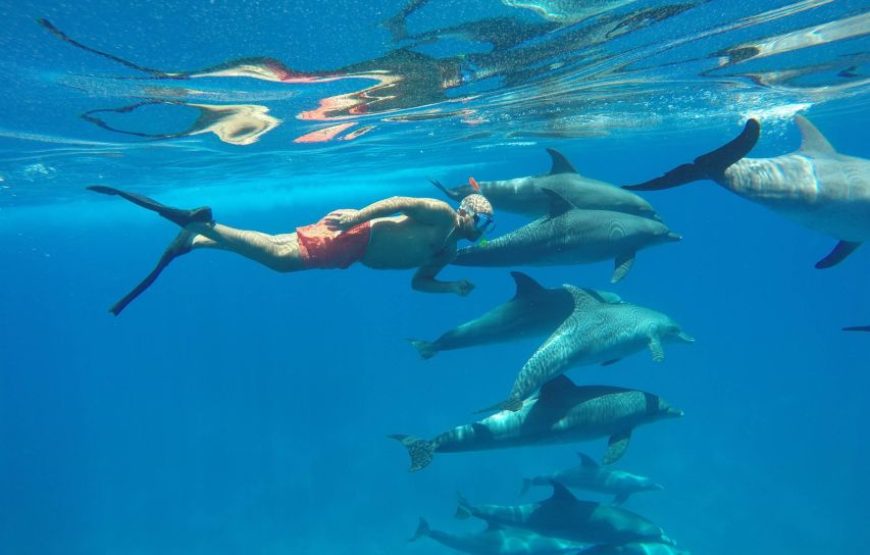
560	413
634	548
533	310
499	540
815	185
525	195
565	516
570	235
596	332
589	475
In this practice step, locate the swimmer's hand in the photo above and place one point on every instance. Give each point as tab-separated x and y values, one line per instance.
462	287
339	220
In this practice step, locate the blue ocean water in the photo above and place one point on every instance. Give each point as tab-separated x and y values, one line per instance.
232	409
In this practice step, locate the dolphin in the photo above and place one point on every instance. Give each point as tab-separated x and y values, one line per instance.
589	475
565	516
570	235
560	413
814	186
857	328
597	332
498	540
634	548
525	195
533	310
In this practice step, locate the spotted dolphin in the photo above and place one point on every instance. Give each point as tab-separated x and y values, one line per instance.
533	310
815	186
565	516
597	332
634	548
525	195
499	540
570	235
591	476
561	412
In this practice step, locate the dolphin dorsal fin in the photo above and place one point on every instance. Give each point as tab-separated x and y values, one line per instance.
558	204
525	285
561	493
556	388
586	461
560	163
812	139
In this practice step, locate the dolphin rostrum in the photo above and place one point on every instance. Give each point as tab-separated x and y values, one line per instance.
815	186
525	195
499	540
565	516
533	310
560	413
597	332
570	235
589	475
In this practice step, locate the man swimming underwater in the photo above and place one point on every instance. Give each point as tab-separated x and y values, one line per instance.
395	233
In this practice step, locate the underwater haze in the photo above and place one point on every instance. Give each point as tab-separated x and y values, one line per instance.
236	410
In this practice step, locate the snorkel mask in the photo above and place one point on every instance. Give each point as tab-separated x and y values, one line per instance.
480	208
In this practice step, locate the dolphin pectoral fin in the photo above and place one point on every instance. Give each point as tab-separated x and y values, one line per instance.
840	252
560	163
454	194
463	509
558	204
621	498
609	362
513	404
616	447
622	265
857	328
708	166
421	451
655	347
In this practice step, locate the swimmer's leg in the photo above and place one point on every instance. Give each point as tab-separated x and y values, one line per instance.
175	215
182	244
279	252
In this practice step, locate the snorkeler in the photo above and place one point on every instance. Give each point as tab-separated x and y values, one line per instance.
395	233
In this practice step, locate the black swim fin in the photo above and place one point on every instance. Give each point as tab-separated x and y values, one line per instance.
177	216
171	254
708	166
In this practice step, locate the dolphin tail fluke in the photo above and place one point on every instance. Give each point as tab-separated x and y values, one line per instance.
839	254
425	348
177	216
708	166
422	530
421	451
456	194
513	404
178	247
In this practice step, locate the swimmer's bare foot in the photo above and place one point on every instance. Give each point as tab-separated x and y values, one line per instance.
182	244
175	215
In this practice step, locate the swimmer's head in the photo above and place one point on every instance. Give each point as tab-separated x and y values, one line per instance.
478	212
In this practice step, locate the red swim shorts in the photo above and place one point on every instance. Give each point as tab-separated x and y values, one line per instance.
321	247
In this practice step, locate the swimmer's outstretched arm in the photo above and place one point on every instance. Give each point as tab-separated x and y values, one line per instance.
424	280
424	210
